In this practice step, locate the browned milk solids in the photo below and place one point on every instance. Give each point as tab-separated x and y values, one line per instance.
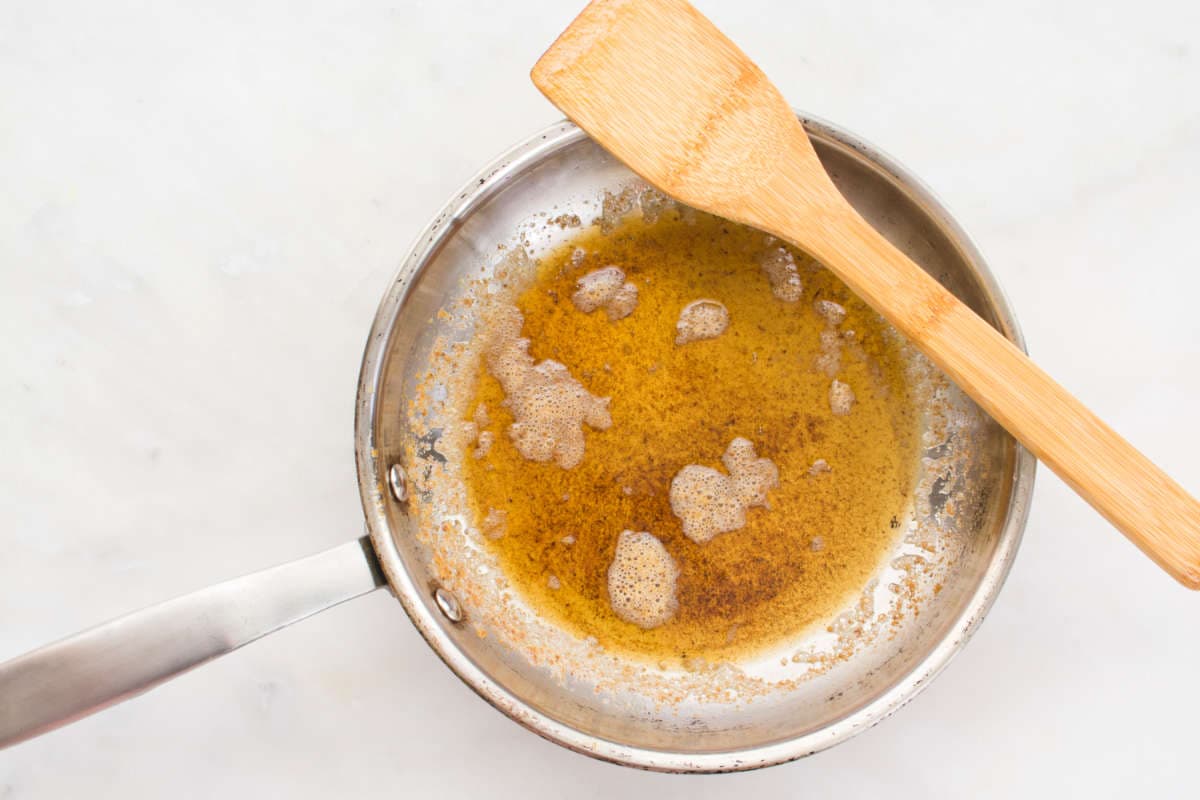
826	530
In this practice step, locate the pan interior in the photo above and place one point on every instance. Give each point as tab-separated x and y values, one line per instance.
968	505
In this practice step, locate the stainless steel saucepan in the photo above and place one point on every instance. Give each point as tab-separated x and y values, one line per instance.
969	511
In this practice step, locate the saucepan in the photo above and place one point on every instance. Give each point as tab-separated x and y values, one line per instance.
969	506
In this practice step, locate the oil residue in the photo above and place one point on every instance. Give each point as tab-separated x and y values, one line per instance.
843	479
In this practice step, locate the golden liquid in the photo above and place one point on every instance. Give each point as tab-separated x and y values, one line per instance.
673	406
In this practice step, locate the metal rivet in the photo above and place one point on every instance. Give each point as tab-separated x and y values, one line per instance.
448	604
398	484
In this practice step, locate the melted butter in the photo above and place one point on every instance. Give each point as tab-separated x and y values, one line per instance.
796	563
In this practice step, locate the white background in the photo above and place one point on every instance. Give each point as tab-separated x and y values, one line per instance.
201	203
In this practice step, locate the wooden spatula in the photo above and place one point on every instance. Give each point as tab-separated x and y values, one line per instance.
658	85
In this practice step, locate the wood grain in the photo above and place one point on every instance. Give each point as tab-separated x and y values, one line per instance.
655	83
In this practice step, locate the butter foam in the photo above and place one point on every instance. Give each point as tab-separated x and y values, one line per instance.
548	405
606	288
701	319
709	503
642	580
780	266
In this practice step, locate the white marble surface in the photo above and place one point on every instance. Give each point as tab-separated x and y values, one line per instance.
201	203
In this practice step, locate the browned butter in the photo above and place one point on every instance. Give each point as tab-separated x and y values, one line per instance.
795	563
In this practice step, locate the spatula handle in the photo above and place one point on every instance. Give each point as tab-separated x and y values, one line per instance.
1131	492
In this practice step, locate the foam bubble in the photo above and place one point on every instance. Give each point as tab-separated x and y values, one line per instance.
548	405
654	204
709	503
476	430
701	319
833	313
495	524
841	398
622	303
705	502
483	444
829	359
780	266
752	476
606	288
641	580
594	289
614	208
516	262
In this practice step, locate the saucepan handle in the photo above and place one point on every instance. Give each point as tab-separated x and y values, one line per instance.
92	670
